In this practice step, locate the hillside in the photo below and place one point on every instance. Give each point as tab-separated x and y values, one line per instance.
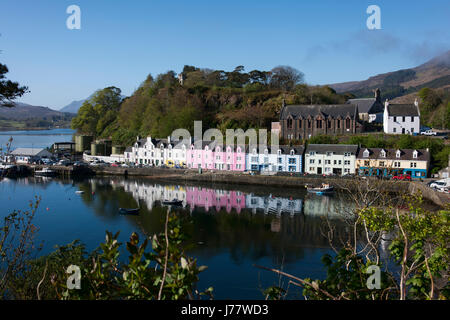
432	74
221	99
23	116
73	106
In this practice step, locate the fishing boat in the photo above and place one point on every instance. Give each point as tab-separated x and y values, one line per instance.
325	188
129	211
46	172
174	202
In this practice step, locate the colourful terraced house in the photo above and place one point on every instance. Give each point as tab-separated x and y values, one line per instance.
213	156
392	162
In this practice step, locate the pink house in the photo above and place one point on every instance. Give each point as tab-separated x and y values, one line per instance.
218	199
212	156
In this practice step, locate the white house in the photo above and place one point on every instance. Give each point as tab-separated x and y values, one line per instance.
282	159
401	118
156	152
29	155
327	159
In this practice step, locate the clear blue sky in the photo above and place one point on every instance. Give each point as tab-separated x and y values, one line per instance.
121	42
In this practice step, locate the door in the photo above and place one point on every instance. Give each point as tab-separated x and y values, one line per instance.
319	170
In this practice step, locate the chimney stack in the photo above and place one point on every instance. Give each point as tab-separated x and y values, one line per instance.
377	94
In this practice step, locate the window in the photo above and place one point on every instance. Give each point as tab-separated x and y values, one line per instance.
415	153
280	168
413	164
312	153
346	170
381	163
327	161
338	124
329	124
347	123
280	160
334	162
319	124
312	169
292	168
383	154
366	162
398	154
292	161
311	161
309	124
254	159
396	164
329	154
347	162
395	120
366	153
339	161
404	119
394	130
289	123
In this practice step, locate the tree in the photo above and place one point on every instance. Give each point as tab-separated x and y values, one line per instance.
96	114
285	77
9	90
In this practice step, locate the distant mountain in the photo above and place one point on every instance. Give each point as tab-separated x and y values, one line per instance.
24	116
433	74
24	111
75	105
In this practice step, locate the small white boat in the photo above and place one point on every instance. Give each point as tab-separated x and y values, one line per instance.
79	192
45	172
323	189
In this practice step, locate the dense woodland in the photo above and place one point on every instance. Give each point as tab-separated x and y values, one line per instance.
221	99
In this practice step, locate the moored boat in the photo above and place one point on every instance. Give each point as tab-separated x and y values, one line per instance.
174	202
129	211
47	172
325	188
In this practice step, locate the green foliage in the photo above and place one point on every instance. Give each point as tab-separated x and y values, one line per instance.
435	107
99	112
418	248
165	272
9	90
16	246
220	99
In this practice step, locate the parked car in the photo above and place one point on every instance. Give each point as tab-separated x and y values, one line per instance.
402	177
428	133
79	164
114	164
440	184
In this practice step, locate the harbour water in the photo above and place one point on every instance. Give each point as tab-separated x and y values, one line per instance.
232	227
35	138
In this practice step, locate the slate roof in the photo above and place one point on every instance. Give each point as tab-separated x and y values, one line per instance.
335	148
367	105
405	154
332	110
28	151
403	110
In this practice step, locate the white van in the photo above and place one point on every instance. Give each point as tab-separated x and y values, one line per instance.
440	184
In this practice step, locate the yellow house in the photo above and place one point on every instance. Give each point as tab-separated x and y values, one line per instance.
390	162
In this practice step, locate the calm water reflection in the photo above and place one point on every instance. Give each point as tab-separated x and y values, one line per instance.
232	228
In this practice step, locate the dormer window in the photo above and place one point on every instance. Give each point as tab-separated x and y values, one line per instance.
383	154
292	152
415	154
279	152
329	153
398	154
366	153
